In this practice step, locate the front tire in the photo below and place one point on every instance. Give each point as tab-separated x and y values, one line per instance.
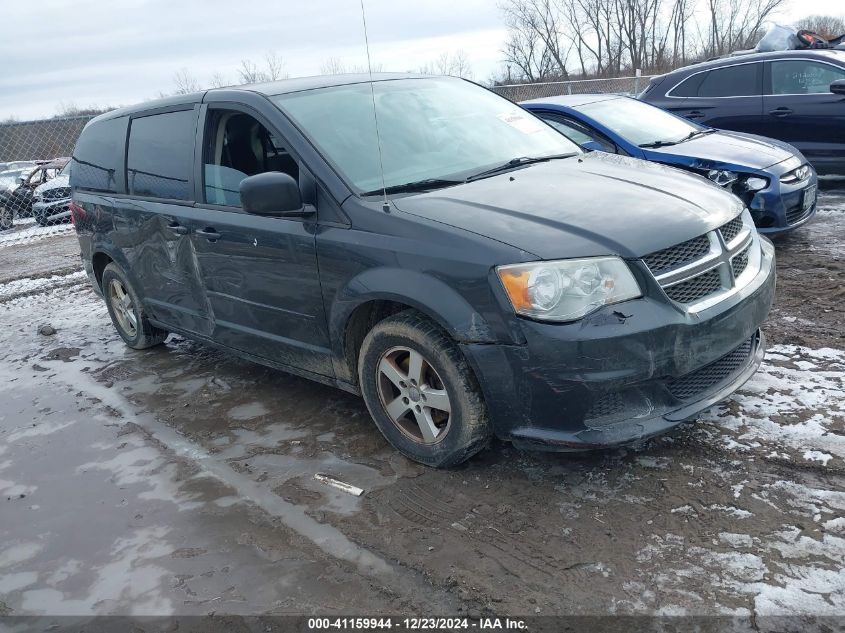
127	311
421	392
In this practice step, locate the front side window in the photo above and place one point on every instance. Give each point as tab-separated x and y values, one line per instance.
802	77
238	146
161	153
639	123
742	80
436	128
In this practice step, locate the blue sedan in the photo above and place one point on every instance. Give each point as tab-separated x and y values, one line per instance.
772	178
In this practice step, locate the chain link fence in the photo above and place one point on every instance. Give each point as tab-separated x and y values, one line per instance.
631	86
34	190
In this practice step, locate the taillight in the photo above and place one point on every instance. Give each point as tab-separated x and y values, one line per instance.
77	213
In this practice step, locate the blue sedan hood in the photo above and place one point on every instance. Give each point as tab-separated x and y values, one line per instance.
724	150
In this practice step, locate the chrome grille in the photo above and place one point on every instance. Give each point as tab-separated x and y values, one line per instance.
698	382
59	193
740	262
699	272
676	256
696	288
730	230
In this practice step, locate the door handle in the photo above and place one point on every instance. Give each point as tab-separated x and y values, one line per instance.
210	234
781	112
178	228
695	114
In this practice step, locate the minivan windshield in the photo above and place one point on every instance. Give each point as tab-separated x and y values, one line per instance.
640	123
438	131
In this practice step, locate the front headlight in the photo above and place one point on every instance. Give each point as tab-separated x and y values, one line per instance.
567	289
722	177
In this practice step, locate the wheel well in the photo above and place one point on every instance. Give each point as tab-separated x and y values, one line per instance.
360	322
99	262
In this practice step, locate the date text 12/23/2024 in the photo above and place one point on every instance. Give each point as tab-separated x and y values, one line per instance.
417	624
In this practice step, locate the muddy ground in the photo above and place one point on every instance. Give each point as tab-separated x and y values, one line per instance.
180	480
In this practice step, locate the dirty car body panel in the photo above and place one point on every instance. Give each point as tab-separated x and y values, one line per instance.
289	292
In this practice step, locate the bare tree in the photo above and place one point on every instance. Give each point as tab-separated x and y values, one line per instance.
828	26
219	80
249	73
451	63
185	82
332	66
275	67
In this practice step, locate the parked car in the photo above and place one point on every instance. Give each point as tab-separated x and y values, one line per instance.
10	180
51	200
490	279
772	178
793	96
18	201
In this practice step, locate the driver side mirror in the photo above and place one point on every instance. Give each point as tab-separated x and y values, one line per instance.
838	87
273	193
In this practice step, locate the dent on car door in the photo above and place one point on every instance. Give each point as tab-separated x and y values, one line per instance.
259	272
152	225
728	98
800	109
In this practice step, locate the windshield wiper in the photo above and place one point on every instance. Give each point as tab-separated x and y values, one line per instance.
689	136
417	185
517	162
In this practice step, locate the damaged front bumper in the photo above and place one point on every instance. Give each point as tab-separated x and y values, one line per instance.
625	373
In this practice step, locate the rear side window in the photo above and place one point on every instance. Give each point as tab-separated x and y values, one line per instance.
160	158
98	156
733	81
688	87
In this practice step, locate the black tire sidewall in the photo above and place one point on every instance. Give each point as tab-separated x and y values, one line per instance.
464	437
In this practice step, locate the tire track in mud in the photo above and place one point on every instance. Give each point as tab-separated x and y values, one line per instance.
327	538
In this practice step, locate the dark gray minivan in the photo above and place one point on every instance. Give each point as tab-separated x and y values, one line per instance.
467	270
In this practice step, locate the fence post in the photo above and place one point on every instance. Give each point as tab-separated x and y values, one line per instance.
637	76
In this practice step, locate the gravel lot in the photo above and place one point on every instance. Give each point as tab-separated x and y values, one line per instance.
180	480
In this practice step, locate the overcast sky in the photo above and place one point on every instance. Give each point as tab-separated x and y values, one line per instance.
118	52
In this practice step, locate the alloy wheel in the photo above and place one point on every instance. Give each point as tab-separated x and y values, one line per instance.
413	395
124	310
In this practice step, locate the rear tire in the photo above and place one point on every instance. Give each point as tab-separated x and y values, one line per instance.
127	311
421	392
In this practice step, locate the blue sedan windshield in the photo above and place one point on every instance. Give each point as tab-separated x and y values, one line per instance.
637	122
435	128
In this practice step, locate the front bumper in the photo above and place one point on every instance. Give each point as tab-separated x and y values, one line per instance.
779	208
624	373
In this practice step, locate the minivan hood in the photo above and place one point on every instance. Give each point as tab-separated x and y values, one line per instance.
593	204
725	150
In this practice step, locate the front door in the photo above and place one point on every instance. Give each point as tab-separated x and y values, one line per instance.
260	273
800	109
